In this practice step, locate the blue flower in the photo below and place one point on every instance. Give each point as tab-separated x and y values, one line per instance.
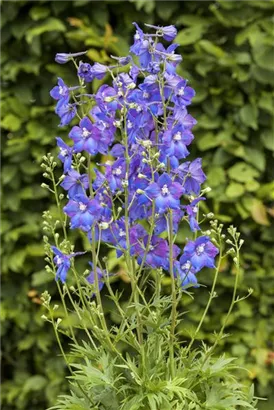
91	277
65	111
175	141
186	272
201	252
75	183
62	262
165	192
86	137
63	58
60	91
85	71
83	212
99	70
65	154
122	60
192	212
168	32
191	175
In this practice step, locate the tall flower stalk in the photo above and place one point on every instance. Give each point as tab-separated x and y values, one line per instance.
135	202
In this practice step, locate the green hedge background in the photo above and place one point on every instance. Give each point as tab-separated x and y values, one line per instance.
227	47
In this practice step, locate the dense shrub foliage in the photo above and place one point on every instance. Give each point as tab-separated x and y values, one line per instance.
228	57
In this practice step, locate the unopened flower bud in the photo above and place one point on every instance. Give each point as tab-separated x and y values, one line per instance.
44	185
210	215
55	307
44	317
108	99
58	321
139	191
208	189
104	225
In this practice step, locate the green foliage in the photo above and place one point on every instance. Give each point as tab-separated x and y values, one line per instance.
228	59
109	383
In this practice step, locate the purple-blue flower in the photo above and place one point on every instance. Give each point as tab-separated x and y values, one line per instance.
85	137
60	91
191	175
165	192
85	71
83	212
62	262
63	58
91	277
186	271
201	252
65	111
65	154
75	183
168	32
192	212
175	141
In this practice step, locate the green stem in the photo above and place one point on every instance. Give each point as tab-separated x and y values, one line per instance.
173	295
58	204
65	357
211	296
233	302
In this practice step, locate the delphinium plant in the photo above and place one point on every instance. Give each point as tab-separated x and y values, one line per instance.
127	185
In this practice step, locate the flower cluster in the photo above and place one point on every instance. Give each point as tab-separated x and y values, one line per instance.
148	188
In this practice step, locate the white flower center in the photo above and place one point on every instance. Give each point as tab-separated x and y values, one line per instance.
129	124
178	136
121	232
63	152
200	249
59	260
137	36
117	171
62	90
82	206
186	266
85	133
120	93
138	108
181	91
146	94
195	209
165	190
151	247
